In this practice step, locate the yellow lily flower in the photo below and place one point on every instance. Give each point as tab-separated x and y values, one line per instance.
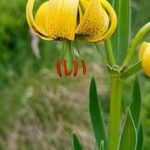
144	56
92	20
58	19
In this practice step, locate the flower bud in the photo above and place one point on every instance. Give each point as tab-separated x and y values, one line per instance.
144	56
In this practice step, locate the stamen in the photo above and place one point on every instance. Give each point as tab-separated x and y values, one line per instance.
75	63
58	66
83	63
65	68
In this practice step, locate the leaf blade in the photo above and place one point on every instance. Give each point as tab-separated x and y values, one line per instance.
136	102
121	37
128	136
124	28
96	116
140	138
76	143
102	145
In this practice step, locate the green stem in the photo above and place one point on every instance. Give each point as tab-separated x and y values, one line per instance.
134	69
115	111
109	53
139	36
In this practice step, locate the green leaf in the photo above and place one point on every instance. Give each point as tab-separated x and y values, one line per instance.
140	138
95	115
128	136
136	102
120	39
102	145
111	2
75	143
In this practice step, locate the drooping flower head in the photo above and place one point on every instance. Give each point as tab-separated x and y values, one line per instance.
144	56
92	20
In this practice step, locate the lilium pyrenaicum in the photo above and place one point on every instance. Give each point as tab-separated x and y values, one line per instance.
92	20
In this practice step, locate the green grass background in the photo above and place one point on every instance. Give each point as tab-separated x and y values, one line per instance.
38	110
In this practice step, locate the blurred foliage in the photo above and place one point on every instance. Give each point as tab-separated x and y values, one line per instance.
13	31
37	109
140	13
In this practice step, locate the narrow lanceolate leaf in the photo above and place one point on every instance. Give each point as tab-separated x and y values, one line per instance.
115	37
140	138
136	102
95	115
75	143
120	39
102	145
128	136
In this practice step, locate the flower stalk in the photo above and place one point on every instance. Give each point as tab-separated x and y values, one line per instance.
131	51
109	53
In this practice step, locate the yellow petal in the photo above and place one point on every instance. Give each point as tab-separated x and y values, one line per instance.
95	21
36	29
96	25
84	4
142	49
62	19
40	17
82	7
112	19
145	57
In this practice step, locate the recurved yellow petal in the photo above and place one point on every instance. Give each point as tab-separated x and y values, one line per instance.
98	22
36	29
95	21
40	17
62	19
112	18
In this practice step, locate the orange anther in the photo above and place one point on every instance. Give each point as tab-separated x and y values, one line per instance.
65	67
58	66
83	63
75	63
